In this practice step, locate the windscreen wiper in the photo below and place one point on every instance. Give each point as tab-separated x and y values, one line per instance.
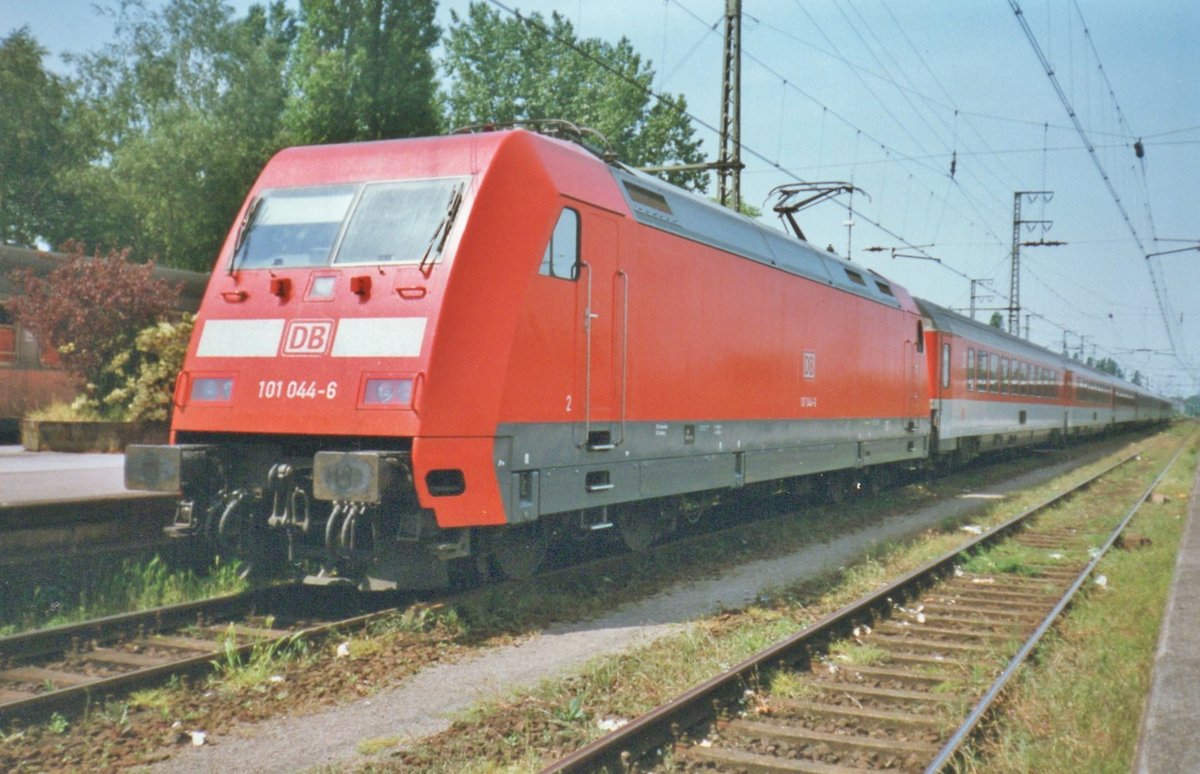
442	232
243	229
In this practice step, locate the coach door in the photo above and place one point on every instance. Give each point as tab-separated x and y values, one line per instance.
602	308
914	354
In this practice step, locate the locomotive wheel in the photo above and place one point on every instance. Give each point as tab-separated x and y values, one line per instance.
518	552
836	487
640	527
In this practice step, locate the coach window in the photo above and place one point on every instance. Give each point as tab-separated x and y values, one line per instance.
562	254
971	370
994	372
1004	376
981	372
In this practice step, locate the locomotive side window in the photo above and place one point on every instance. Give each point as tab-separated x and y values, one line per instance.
562	254
970	370
945	365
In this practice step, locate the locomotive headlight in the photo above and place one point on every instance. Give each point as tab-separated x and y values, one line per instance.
387	392
210	389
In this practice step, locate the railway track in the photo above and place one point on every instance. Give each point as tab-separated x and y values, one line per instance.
67	666
897	681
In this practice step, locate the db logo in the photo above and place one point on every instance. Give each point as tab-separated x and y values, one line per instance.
307	337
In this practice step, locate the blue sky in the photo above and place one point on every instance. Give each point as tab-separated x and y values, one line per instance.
886	94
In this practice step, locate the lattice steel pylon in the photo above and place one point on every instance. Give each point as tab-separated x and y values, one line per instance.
729	165
1014	286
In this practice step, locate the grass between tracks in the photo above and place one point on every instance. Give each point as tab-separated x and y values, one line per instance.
1079	706
132	585
557	717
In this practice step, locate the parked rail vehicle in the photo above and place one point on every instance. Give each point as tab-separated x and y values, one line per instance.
991	390
425	352
30	376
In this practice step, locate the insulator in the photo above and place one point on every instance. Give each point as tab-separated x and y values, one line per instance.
1138	149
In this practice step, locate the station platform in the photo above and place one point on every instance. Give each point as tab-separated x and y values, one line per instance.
1170	736
28	478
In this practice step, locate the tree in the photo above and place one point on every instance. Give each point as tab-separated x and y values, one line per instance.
33	138
185	109
1108	366
91	309
504	70
363	70
997	320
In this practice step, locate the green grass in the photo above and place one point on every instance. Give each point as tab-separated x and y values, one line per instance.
133	585
1007	558
1078	706
63	412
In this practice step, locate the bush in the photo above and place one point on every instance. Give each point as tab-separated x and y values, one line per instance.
149	371
91	309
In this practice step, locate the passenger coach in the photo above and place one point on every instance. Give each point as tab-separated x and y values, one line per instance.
991	390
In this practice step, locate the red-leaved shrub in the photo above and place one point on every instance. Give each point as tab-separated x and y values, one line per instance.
90	309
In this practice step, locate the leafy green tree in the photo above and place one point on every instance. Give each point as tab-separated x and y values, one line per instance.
185	109
507	69
997	320
363	70
34	144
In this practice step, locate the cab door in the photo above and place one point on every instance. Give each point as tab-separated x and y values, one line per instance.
601	312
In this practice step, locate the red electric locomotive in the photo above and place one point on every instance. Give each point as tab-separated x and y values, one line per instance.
425	351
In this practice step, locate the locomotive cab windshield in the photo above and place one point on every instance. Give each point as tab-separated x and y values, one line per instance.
399	222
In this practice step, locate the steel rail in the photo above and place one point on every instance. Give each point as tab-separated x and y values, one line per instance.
619	749
960	736
202	662
43	642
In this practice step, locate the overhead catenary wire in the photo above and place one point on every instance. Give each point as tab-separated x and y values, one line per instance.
1156	280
